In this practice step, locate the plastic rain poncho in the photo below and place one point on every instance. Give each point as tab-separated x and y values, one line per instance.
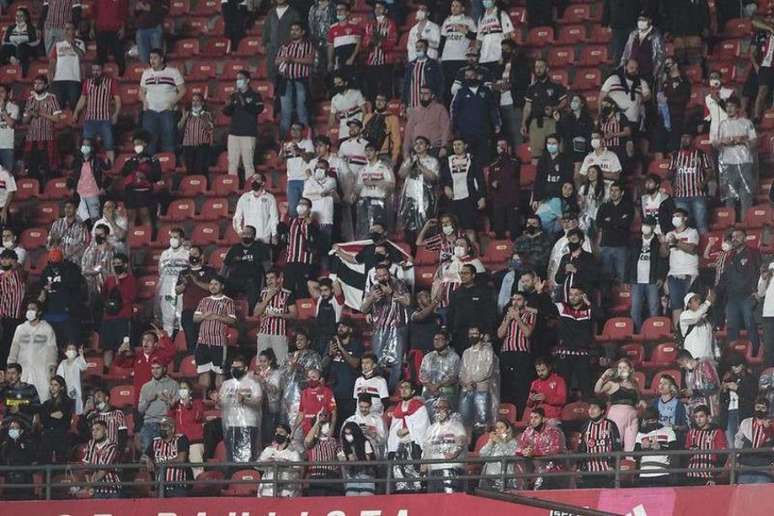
766	388
293	377
480	371
412	416
498	449
372	426
417	199
288	473
241	421
440	368
737	172
446	440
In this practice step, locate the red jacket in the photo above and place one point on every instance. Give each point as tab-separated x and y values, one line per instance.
109	15
128	289
189	419
555	391
140	364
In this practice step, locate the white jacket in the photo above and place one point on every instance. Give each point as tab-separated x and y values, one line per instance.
259	211
716	114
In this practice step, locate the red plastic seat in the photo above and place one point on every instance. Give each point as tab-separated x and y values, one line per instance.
587	79
10	73
232	67
186	48
46	213
498	251
571	35
540	37
223	91
187	369
202	71
306	308
528	174
217	257
246	489
195	88
722	218
634	352
576	411
224	186
622	302
426	256
139	237
424	276
728	50
674	373
757	216
593	55
578	13
230	237
33	238
524	153
663	355
655	328
601	34
561	56
560	76
27	188
205	233
738	28
56	189
179	8
208	489
250	46
206	8
213	209
179	210
167	162
660	167
617	328
216	46
128	94
147	287
192	186
122	396
507	411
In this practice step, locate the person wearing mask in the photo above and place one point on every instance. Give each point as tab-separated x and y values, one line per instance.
629	90
372	425
475	116
681	246
381	40
543	98
715	104
445	439
614	220
295	372
140	172
423	29
172	261
405	441
575	127
100	103
18	448
702	383
355	447
457	34
539	440
88	180
322	445
12	294
534	245
276	307
268	374
592	193
352	152
103	451
329	305
41	112
599	435
704	435
302	251
70	369
494	27
621	389
98	408
503	183
55	419
294	68
215	314
602	157
738	390
257	208
382	128
766	295
119	292
654	202
21	41
737	173
169	448
646	46
280	450
193	285
511	79
240	399
347	104
577	267
60	294
373	188
515	332
10	242
645	272
243	107
672	105
654	436
161	88
97	265
690	170
739	281
156	397
244	266
296	151
439	373
20	398
464	187
156	346
756	432
344	40
554	168
197	126
277	32
621	17
34	348
422	72
321	187
573	354
188	415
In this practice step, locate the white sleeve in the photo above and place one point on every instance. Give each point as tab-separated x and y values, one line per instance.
505	22
383	391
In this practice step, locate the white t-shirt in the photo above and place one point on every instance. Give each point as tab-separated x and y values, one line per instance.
631	108
319	192
732	128
680	262
430	33
607	161
376	387
643	262
6	133
347	106
161	87
68	62
378	171
492	30
455	29
7	186
294	163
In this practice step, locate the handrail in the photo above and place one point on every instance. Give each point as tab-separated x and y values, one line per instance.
383	470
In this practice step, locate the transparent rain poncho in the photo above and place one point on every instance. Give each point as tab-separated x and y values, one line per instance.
479	369
737	168
766	388
446	440
417	201
293	378
241	421
440	368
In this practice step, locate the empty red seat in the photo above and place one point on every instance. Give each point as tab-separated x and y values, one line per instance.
579	13
10	73
147	287
729	49
186	48
205	233
507	411
306	308
206	8
27	188
33	238
191	186
634	352
757	216
202	71
540	37
179	8
576	411
722	218
139	237
561	56
122	396
738	28
223	91
250	46
498	251
216	46
232	67
601	34
217	257
247	483
213	209
655	328
187	368
571	35
587	79
660	167
524	153
224	186
195	88
46	213
593	55
179	210
128	94
230	237
167	161
663	355
617	328
528	173
425	256
95	366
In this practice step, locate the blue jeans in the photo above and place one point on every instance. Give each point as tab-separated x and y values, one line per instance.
294	97
101	128
754	477
732	426
678	288
295	190
740	311
147	40
160	124
614	261
641	292
148	432
6	159
697	209
475	408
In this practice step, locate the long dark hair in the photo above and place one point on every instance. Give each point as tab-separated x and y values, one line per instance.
358	445
599	187
63	396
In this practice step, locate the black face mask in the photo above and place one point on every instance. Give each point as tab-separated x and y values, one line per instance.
280	439
424	102
120	269
380	257
6	267
195	260
376	237
99	239
237	372
652	190
257	185
247	240
632	76
531	230
574	246
473	83
761	414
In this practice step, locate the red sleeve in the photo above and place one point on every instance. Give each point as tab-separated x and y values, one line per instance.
720	440
331	34
124	361
340	298
331	401
301	404
166	351
392	37
113	88
85	89
199	411
557	397
130	290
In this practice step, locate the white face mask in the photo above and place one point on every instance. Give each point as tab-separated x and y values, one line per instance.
647	230
726	246
85	150
8	243
349	438
379	17
341	17
714	83
575	105
677	222
196	109
643	25
623	374
138	149
184	393
71	353
302	210
421	15
459	251
14	433
596	143
241	84
319	174
101	405
174	243
447	229
31	315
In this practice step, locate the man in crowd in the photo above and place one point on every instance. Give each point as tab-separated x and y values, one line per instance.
599	435
171	263
167	449
705	435
69	234
515	360
654	436
156	397
439	373
161	88
445	439
756	432
405	440
240	400
681	246
702	383
472	304
214	314
540	439
548	391
430	120
257	208
244	266
193	285
243	107
739	281
277	305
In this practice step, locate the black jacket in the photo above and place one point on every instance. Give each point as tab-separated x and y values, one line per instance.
587	267
659	265
475	179
615	221
747	391
244	108
99	168
520	78
551	174
740	275
620	14
469	306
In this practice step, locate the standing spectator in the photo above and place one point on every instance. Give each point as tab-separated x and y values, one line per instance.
503	183
737	171
12	292
756	432
34	349
534	245
169	448
382	128
577	267
622	391
277	305
475	116
295	372
214	314
64	68
197	126
616	129
302	257
270	378
599	435
516	364
646	46
9	116
629	91
386	302
156	397
321	189
471	65
738	391
654	436
705	435
621	17
329	305
371	385
494	27
423	29
54	18
614	220
61	282
576	336
575	127
294	68
241	398
41	112
479	382
445	439
606	160
296	151
463	185
276	33
715	104
766	295
141	171
421	72
554	169
322	16
681	245
55	418
193	283
511	79
345	39
764	69
347	104
172	261
10	240
340	363
373	187
108	28
88	178
119	292
100	450
156	346
20	41
424	322
540	440
70	369
96	265
235	22
188	415
280	449
244	267
702	383
439	373
428	120
543	97
258	209
161	88
381	38
671	412
689	170
244	106
645	272
472	304
69	234
739	282
458	33
406	437
675	97
322	445
149	22
334	183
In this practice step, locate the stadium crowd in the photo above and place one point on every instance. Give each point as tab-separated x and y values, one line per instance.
329	230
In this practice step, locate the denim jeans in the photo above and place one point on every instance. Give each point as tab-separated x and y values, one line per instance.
644	292
294	99
295	191
697	209
732	426
754	478
678	288
6	159
147	40
99	128
148	432
614	261
739	311
160	124
474	408
389	346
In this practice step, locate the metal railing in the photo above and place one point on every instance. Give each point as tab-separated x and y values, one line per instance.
58	479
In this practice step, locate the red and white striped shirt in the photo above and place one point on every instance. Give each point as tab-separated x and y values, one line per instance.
599	437
689	168
41	129
417	80
384	32
387	312
99	95
115	421
12	291
198	130
346	33
212	332
610	126
164	451
105	453
270	323
299	244
704	439
760	434
59	12
515	340
301	49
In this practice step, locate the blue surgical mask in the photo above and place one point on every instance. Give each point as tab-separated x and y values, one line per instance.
420	54
488	4
552	148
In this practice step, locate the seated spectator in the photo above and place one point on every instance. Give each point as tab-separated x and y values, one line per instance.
141	171
295	372
704	435
18	447
548	391
501	443
322	446
34	349
70	369
445	439
170	448
280	449
100	103
103	451
20	41
537	441
654	436
755	432
439	373
405	440
671	410
114	217
702	383
55	418
622	391
240	399
599	435
156	397
197	126
355	447
371	424
696	326
188	415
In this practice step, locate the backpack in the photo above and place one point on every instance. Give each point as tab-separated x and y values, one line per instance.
375	130
113	301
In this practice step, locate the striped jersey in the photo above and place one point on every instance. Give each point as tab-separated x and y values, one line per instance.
301	49
655	465
161	87
270	323
212	332
41	129
344	34
387	312
300	241
59	12
417	80
105	453
609	126
383	32
760	434
515	339
162	451
689	168
708	438
198	129
115	421
324	451
99	93
12	290
599	437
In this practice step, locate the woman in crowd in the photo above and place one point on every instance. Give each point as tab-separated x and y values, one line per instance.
623	393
